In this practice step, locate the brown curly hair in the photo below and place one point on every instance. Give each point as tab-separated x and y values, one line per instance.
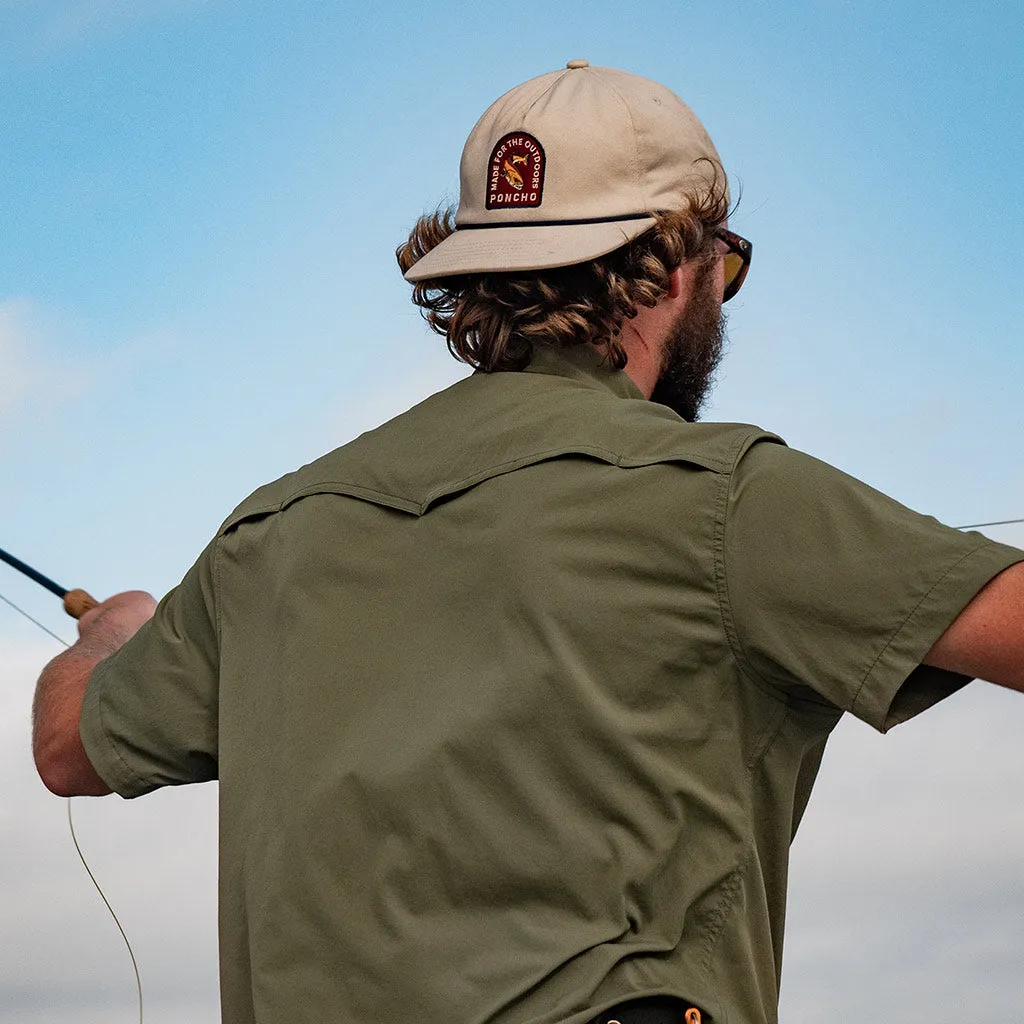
493	321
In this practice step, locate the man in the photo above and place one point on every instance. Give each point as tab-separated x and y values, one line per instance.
516	702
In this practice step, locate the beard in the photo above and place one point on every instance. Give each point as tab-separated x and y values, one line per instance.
693	350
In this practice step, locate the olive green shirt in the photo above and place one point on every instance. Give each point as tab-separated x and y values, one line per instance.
516	702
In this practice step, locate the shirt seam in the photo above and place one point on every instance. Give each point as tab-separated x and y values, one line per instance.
902	625
216	596
725	900
607	455
722	592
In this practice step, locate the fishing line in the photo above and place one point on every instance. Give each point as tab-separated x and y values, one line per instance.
22	611
74	837
92	877
71	825
998	522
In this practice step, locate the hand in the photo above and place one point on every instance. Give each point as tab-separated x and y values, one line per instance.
115	621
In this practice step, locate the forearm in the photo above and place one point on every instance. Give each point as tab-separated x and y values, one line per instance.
60	758
987	639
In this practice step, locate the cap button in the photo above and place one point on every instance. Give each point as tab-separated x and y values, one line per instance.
575	65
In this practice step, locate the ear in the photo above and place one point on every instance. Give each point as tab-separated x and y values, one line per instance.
676	282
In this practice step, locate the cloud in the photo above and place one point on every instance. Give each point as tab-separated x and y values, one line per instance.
906	888
906	891
61	956
67	24
49	362
421	374
37	30
31	376
17	376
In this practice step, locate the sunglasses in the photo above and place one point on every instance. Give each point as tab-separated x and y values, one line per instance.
737	261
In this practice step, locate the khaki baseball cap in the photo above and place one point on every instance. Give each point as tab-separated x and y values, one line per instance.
567	167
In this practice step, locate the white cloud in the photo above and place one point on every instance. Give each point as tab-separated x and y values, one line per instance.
62	959
17	376
49	362
71	23
31	376
907	895
907	891
421	375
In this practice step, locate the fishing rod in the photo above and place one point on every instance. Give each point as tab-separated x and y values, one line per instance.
76	601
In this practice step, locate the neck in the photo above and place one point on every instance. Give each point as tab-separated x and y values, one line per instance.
644	358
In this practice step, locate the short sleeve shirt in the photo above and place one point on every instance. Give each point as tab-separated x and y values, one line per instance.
515	702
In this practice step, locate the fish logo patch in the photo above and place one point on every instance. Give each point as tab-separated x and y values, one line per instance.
515	174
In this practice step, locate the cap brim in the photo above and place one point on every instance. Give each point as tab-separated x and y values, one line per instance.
503	250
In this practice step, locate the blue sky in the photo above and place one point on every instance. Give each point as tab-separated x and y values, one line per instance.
200	201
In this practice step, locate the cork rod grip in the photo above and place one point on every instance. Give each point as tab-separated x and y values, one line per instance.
78	602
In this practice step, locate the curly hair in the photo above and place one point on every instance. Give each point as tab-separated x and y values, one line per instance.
493	321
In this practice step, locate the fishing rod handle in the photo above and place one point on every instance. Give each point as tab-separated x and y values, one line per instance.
78	602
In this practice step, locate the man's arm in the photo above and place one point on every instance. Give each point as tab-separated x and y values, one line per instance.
61	760
986	640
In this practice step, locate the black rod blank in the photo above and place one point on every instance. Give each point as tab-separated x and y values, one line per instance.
32	574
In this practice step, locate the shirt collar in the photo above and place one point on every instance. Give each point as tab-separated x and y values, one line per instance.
585	364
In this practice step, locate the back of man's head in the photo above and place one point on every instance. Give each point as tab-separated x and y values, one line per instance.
581	191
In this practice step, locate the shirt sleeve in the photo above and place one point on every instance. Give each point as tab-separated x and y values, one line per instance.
149	717
835	592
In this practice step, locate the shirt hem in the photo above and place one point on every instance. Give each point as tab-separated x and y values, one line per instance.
99	746
938	609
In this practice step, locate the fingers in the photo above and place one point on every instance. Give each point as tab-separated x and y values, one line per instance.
118	618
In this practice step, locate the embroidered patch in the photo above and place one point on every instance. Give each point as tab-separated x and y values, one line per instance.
515	175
